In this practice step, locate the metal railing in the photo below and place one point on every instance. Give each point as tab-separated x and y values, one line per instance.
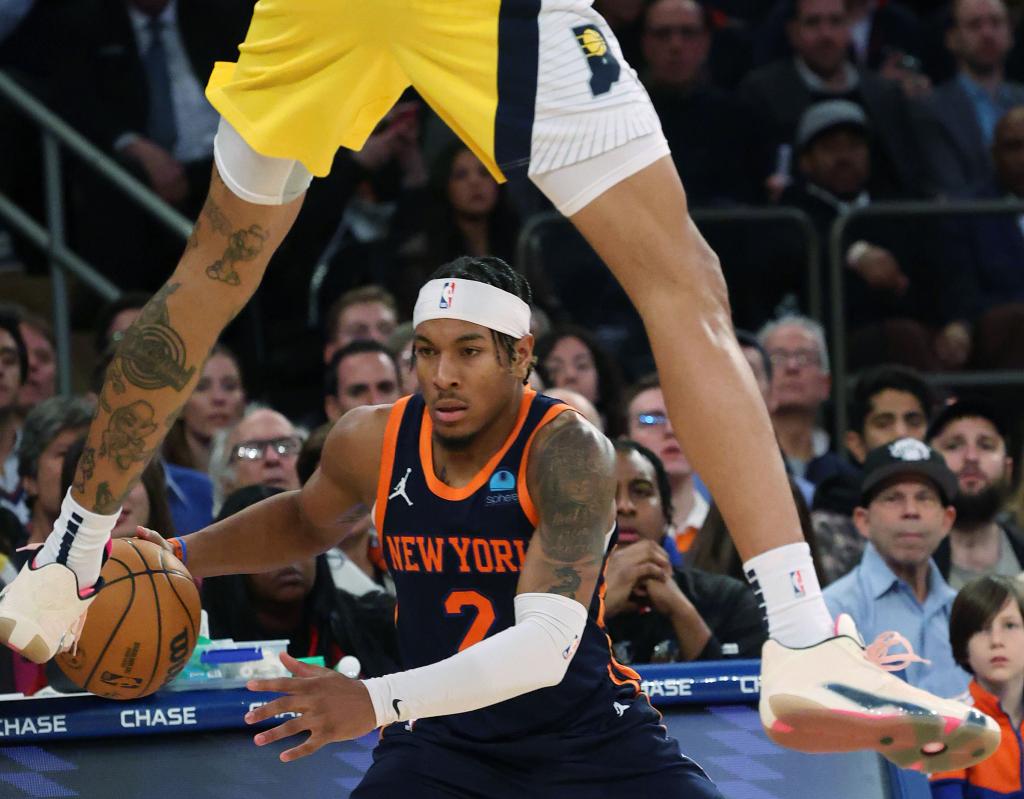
528	244
836	265
56	133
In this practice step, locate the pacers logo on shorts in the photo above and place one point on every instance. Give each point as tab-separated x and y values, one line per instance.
447	295
604	67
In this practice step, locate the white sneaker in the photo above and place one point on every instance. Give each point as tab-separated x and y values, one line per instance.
839	696
42	612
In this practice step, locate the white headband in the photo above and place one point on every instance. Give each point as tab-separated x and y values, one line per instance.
472	301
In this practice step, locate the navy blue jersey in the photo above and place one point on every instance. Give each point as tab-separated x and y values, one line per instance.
455	555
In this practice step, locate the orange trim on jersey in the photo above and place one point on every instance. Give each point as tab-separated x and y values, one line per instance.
387	462
465	492
525	500
631	678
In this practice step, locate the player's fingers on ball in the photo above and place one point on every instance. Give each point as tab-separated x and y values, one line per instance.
285	730
311	744
152	536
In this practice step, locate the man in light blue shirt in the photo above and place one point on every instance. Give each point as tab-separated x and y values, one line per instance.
905	512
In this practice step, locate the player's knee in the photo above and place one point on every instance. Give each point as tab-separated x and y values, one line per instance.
253	177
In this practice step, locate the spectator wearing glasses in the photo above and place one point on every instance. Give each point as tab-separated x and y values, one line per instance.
262	449
801	384
648	424
360	373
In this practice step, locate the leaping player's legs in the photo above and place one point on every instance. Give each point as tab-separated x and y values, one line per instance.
818	690
282	98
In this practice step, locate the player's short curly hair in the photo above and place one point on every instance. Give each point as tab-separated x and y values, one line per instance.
494	272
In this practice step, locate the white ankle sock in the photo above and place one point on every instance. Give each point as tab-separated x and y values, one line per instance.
77	541
785	582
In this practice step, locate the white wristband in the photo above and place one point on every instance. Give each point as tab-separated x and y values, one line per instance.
547	631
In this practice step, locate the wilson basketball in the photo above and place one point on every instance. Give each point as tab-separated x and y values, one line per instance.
141	629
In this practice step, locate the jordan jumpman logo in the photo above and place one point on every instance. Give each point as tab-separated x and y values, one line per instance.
399	490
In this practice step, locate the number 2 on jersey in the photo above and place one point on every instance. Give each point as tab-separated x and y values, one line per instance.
456	605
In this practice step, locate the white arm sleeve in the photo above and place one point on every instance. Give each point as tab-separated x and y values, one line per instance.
534	653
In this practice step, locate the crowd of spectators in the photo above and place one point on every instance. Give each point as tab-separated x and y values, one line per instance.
824	106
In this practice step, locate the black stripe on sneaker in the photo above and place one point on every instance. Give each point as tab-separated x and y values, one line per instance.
872	701
74	523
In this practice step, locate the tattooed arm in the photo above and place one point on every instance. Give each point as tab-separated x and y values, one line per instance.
571	478
300	524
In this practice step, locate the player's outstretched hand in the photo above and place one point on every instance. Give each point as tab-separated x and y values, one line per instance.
330	706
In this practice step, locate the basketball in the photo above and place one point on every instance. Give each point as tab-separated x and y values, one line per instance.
141	629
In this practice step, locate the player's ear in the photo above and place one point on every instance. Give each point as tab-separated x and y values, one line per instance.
523	356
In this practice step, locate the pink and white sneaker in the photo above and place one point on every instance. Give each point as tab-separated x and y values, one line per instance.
840	696
42	611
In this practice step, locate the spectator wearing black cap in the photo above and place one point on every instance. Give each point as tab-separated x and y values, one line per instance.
971	436
820	69
889	402
904	513
13	373
907	297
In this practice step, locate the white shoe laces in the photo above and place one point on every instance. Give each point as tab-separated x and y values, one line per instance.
877	652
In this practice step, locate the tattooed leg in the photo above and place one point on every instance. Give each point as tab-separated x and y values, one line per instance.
158	362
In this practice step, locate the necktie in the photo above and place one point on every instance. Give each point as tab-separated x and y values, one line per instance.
161	123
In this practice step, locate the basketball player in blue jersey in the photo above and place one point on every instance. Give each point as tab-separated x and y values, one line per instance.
495	507
529	85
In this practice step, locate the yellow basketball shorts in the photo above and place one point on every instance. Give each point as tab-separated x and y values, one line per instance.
537	84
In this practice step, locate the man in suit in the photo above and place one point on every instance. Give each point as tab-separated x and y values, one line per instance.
134	84
780	92
146	62
958	121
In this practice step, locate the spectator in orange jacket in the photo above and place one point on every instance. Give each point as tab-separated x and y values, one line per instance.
986	630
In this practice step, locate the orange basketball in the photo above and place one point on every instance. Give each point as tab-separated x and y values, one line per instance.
141	628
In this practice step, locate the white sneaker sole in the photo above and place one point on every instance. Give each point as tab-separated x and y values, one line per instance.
922	742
